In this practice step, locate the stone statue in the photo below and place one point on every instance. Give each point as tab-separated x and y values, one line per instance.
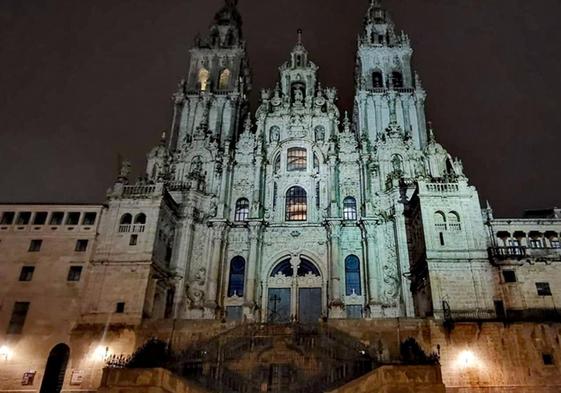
275	134
126	169
195	290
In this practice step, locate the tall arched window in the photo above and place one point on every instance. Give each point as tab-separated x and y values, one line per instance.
140	218
126	219
297	159
242	210
224	81
377	79
237	277
349	208
454	221
203	79
440	221
397	79
352	276
296	204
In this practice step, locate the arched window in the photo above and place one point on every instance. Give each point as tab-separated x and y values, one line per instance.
454	221
397	79
242	210
297	159
440	221
377	79
349	208
203	79
55	369
224	81
237	277
296	204
140	218
126	219
285	268
306	267
352	276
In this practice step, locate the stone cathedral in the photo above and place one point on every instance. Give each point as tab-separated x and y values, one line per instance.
288	248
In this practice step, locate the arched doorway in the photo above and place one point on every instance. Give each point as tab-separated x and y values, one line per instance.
294	291
55	369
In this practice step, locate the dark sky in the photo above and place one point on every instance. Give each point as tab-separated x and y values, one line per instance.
84	80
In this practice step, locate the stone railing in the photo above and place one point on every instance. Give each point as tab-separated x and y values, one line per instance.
442	188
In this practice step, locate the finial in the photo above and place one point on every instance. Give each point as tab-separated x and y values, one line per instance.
163	137
431	132
299	32
346	122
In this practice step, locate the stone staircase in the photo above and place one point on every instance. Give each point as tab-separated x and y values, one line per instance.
290	358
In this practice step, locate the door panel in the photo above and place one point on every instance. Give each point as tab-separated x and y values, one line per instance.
279	305
309	305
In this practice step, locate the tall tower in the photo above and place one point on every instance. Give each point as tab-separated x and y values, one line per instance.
387	89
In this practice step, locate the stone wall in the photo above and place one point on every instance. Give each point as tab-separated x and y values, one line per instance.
402	379
155	380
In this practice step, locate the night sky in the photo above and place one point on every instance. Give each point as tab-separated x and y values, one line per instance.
82	81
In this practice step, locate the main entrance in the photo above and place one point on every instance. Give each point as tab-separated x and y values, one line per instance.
294	292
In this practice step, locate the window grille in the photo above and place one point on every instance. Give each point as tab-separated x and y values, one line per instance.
296	159
242	210
296	204
349	209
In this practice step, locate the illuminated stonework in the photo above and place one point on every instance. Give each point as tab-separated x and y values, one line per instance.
295	212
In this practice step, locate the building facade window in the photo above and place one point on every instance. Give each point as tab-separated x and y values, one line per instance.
509	276
26	273
81	245
74	273
377	79
543	289
352	276
203	79
296	204
56	218
224	81
73	218
297	159
349	209
35	245
120	307
237	277
242	210
23	218
40	218
89	218
397	79
133	240
7	218
454	221
17	320
440	221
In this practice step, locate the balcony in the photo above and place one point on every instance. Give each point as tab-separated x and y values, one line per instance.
541	254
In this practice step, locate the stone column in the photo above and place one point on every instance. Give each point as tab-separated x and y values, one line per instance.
403	259
213	275
182	257
373	263
335	301
251	269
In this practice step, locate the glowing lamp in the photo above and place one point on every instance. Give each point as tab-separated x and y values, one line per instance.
5	352
100	353
467	359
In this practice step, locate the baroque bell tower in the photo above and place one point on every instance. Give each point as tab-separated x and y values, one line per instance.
387	89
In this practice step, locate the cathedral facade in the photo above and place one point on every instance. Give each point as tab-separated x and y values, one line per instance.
294	212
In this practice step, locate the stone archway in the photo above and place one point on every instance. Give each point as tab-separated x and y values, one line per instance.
55	369
294	291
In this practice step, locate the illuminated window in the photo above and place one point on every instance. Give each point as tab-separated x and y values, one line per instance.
296	159
352	276
296	204
349	209
224	81
237	277
203	79
242	210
